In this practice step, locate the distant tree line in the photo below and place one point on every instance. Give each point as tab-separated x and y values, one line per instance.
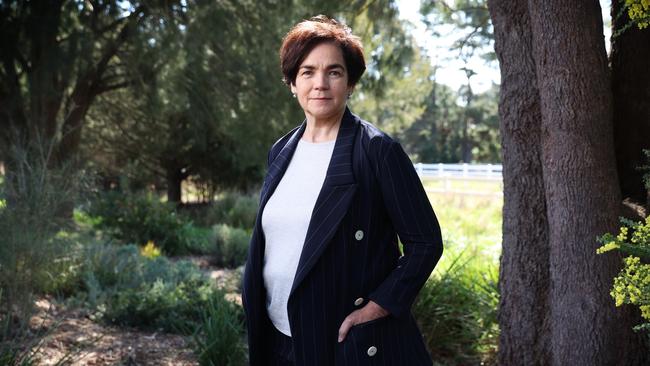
153	93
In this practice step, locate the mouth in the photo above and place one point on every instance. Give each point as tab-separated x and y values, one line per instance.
320	98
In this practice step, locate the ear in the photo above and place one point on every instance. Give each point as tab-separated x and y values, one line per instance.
294	90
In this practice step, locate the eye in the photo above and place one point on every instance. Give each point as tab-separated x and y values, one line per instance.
336	73
306	72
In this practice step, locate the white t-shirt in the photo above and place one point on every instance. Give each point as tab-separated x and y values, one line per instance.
285	221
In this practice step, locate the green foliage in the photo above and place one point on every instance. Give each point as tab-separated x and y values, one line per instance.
82	49
457	312
231	245
438	134
140	218
471	20
129	289
235	209
211	85
404	91
639	12
218	338
470	222
632	284
30	249
231	208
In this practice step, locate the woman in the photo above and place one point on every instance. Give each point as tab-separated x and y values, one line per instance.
325	282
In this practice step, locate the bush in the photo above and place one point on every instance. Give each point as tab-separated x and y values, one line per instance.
140	218
129	289
33	199
231	208
456	311
218	339
632	284
231	246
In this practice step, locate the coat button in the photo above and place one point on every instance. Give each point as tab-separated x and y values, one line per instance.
372	351
358	235
358	301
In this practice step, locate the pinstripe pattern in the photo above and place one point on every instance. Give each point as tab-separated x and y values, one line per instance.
279	351
370	187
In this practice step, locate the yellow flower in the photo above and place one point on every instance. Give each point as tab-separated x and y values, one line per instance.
639	11
607	247
150	251
645	311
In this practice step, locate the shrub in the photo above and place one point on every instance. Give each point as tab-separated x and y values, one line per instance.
140	218
639	12
218	339
231	246
456	311
234	209
129	289
632	284
33	199
199	240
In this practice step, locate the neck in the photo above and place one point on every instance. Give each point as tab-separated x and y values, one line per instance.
322	130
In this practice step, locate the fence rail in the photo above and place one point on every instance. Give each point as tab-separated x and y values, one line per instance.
487	171
462	179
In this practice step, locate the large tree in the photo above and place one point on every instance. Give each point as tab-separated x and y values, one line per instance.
178	87
524	269
560	189
56	58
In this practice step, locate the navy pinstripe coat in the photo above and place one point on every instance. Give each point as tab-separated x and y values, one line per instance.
371	194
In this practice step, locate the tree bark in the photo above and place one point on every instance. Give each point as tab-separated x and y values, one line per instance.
524	268
174	184
631	88
578	160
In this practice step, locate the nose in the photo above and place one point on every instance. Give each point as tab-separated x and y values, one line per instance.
321	82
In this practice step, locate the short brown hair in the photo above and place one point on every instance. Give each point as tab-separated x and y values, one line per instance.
306	35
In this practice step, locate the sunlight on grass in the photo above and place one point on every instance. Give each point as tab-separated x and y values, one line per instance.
471	223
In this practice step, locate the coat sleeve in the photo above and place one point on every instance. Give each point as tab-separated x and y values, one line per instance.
417	227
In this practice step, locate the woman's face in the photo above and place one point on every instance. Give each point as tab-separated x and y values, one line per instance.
322	83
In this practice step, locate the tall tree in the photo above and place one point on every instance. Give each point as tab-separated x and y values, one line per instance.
524	269
216	103
57	57
437	135
556	81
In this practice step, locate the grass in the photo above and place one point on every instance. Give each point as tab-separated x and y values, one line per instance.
470	223
457	307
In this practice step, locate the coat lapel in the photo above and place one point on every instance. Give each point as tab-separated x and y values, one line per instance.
280	164
333	200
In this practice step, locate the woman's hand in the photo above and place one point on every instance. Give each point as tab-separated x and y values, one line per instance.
367	313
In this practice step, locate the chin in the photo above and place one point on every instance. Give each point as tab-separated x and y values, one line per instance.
322	113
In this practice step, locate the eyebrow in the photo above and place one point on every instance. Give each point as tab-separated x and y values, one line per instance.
329	67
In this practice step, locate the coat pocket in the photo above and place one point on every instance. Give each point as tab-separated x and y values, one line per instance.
384	341
361	346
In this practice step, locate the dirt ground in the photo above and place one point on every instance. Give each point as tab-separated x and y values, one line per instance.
72	332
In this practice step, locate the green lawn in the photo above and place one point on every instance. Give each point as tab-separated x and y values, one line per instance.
469	222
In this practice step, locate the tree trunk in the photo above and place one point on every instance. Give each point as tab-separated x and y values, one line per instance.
174	182
631	89
466	146
524	268
582	192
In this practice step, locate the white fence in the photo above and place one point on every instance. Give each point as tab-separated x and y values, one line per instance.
462	179
487	171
